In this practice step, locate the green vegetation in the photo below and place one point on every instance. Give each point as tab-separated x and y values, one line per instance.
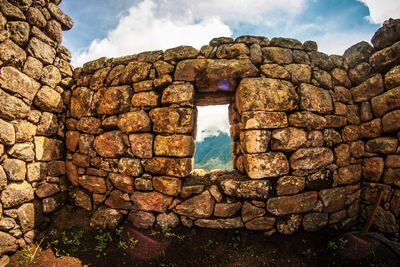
214	152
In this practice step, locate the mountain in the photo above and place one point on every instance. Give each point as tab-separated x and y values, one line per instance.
214	152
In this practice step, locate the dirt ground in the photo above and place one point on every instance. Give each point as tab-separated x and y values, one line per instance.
181	246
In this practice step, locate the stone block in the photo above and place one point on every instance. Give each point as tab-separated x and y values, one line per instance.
112	100
311	158
151	201
314	99
254	189
173	120
109	144
174	146
288	139
263	120
300	203
199	206
266	165
178	167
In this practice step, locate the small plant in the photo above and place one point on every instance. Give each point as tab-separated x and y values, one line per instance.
308	253
166	230
102	239
132	242
340	244
27	256
154	232
119	230
122	244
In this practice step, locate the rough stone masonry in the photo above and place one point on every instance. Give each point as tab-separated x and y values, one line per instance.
314	137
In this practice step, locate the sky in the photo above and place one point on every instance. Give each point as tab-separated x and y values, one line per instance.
115	28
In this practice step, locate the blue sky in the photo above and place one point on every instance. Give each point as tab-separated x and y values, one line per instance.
121	27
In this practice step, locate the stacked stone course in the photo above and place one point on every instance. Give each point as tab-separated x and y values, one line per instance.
34	74
314	137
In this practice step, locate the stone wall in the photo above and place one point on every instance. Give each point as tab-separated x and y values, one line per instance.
314	136
34	73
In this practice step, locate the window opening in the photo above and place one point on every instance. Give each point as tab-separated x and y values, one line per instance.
213	141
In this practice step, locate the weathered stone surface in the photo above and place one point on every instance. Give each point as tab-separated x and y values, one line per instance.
143	184
332	137
231	223
314	99
395	203
7	133
89	125
392	78
340	77
250	211
142	145
16	82
167	185
3	178
321	78
386	35
81	198
372	168
93	184
109	144
247	189
130	166
15	169
392	161
249	39
277	55
290	185
16	193
319	180
118	200
342	153
350	133
167	219
163	67
288	224
189	190
357	149
10	52
170	120
261	223
371	129
292	204
26	217
47	149
199	206
216	192
288	139
12	107
256	54
36	171
286	43
122	182
214	75
333	199
142	219
366	111
65	21
311	158
265	94
300	73
255	141
85	144
41	50
368	89
275	71
314	221
349	174
136	121
81	100
92	66
370	192
112	100
51	76
105	218
231	50
174	146
97	80
386	102
358	53
179	167
49	99
151	201
178	93
383	145
392	176
360	73
145	99
7	243
270	164
386	58
308	120
263	120
321	60
180	52
47	189
226	209
384	220
391	121
24	131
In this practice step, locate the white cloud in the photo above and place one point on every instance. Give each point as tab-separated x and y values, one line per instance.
336	43
381	10
162	24
211	120
143	29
